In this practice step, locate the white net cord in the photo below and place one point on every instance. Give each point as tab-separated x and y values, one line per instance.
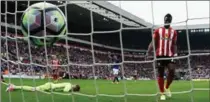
122	54
93	55
67	51
154	52
17	54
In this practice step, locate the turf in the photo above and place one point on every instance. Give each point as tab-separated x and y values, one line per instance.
106	87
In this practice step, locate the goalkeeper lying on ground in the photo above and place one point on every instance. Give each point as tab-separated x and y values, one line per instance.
65	87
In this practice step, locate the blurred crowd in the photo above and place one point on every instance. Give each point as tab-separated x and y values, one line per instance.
19	57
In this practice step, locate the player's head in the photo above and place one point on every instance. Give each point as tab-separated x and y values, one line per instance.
167	20
54	56
76	88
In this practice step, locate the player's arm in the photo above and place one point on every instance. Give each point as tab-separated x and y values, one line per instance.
150	47
175	44
67	88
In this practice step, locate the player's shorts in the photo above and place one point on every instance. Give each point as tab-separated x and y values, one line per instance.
115	71
164	63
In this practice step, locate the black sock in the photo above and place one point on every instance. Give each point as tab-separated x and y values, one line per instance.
117	79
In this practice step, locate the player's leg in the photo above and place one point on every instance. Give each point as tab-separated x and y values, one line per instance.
55	75
135	77
170	77
161	69
171	73
161	77
12	87
116	72
115	78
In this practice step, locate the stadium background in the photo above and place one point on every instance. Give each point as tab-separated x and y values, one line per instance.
80	13
135	42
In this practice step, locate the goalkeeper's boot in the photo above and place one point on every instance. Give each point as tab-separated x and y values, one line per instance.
162	97
10	87
168	92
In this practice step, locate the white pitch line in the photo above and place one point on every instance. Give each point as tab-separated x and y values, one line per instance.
202	89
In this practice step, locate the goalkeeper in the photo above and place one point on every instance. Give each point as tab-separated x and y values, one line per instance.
65	87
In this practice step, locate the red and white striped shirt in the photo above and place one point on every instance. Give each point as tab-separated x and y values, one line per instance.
165	40
55	64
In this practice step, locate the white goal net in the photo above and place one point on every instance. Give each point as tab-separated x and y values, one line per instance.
85	54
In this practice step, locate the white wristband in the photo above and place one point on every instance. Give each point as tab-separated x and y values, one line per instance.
175	54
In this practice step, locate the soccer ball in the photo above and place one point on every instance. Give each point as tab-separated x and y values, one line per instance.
40	19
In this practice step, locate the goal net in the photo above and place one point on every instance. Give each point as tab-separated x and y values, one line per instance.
96	33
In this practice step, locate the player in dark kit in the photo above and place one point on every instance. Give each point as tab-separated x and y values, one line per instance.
115	69
165	39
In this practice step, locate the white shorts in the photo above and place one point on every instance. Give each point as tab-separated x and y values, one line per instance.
115	71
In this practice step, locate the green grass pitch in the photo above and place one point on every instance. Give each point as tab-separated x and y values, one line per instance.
106	87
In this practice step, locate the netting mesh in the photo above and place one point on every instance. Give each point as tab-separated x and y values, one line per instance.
15	49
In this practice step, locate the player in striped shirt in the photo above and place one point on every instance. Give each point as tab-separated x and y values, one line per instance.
55	68
165	39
